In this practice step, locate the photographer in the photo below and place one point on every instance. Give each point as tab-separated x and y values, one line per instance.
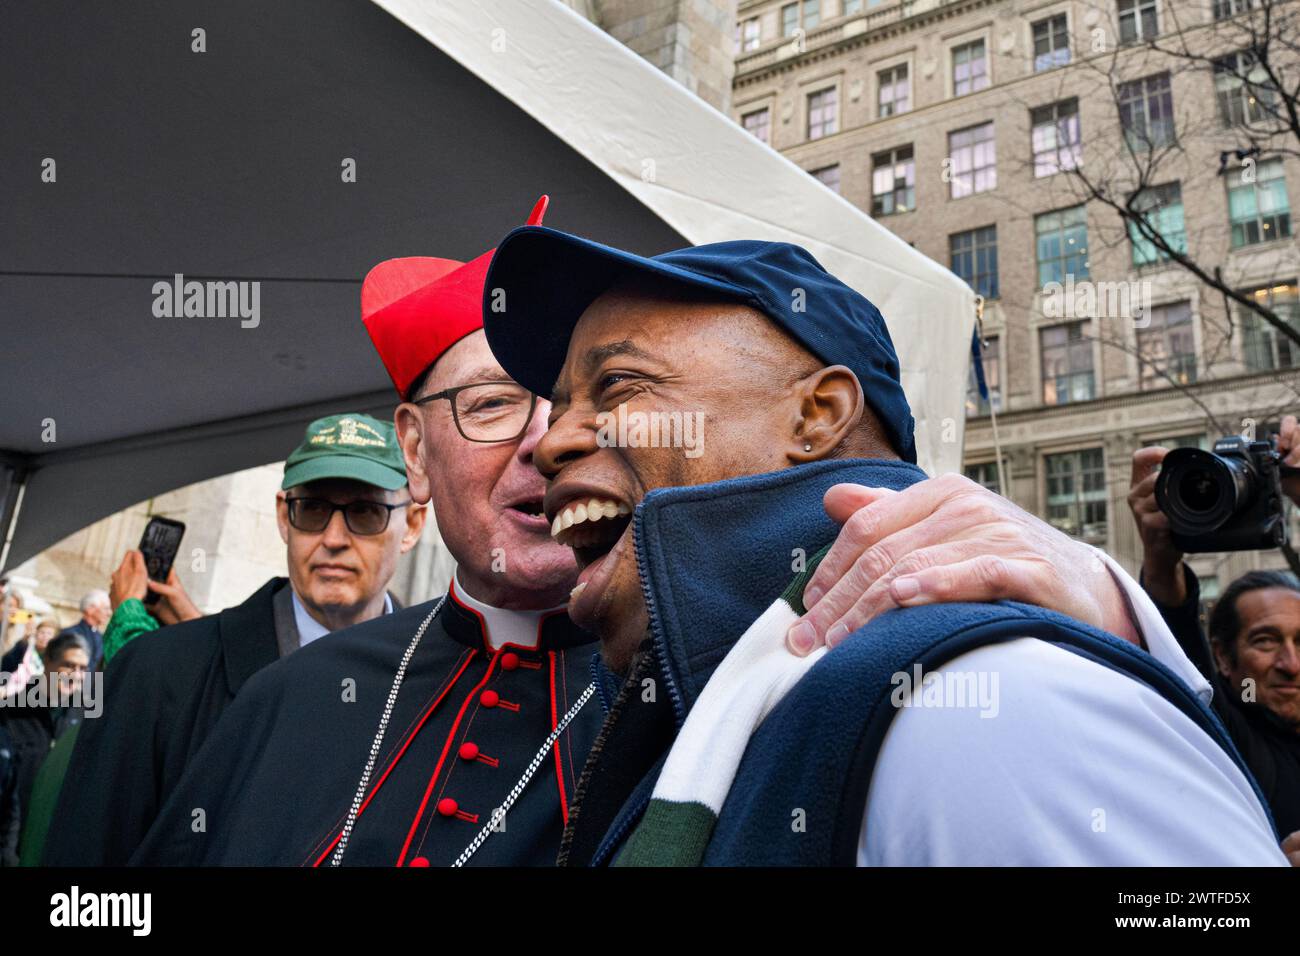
1253	654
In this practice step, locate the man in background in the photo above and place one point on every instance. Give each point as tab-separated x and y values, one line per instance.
33	729
1252	657
95	612
346	516
130	584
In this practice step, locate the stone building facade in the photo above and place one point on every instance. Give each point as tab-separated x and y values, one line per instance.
957	125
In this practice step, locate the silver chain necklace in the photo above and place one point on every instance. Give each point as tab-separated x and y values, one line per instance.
499	813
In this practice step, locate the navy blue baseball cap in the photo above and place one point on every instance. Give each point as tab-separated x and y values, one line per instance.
542	280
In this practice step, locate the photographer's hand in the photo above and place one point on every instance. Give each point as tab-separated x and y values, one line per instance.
1162	562
1291	847
130	580
174	603
1288	445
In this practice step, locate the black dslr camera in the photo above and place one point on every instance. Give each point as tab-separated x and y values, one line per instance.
1229	499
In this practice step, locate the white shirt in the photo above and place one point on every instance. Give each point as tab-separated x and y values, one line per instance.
502	625
1084	766
309	629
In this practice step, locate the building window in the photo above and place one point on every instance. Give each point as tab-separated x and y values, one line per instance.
1230	8
894	92
1242	88
1166	347
1162	209
1209	593
1076	494
749	34
1146	112
1051	43
1258	207
970	68
805	15
972	159
1055	137
822	119
990	359
759	124
986	474
789	19
1137	20
828	176
851	7
1067	364
1062	244
893	182
1264	348
974	257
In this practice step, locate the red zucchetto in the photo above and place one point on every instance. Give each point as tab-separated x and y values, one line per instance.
417	307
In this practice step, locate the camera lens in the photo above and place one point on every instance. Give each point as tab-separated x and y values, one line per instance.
1201	491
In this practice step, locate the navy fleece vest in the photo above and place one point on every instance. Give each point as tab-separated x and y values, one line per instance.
818	748
713	557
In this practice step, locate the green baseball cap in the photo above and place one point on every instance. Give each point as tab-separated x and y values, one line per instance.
351	446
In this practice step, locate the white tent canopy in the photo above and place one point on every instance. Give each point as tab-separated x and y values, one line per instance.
228	165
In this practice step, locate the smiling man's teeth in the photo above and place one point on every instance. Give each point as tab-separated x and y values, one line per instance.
593	509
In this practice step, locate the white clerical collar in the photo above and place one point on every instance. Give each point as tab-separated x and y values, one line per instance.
309	629
502	626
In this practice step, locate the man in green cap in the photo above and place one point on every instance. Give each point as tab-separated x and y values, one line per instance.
339	567
346	516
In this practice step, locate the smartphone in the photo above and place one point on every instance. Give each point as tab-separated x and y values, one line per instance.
159	544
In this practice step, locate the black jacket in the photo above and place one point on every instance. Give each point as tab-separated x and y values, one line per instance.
15	657
1270	748
10	819
31	732
163	693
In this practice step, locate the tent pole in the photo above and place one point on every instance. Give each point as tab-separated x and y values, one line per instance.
11	519
993	415
997	450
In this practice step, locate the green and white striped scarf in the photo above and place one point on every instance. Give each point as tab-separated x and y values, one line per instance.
751	680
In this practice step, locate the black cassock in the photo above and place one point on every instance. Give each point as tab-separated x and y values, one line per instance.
274	782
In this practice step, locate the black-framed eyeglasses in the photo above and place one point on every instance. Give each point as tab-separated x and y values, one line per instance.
313	515
488	411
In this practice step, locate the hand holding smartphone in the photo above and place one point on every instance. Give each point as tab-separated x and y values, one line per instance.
159	544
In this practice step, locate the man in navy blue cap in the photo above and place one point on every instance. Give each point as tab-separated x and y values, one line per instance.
704	403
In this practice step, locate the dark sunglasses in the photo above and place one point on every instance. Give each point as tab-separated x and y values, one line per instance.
362	517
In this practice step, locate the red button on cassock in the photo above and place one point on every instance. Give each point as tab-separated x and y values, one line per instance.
469	751
489	698
509	661
419	861
448	807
